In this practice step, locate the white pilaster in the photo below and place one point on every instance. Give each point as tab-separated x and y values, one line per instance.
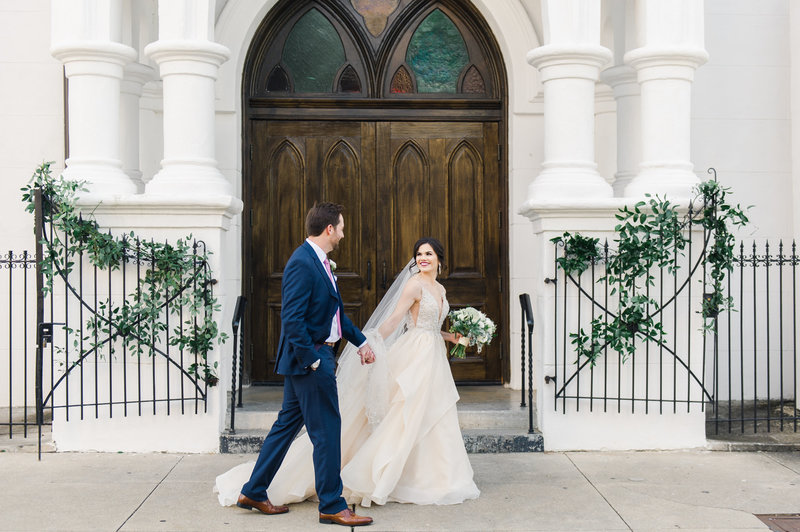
622	80
85	38
569	63
794	32
188	61
135	76
670	39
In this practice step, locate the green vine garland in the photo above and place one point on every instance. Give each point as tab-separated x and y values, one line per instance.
176	277
651	234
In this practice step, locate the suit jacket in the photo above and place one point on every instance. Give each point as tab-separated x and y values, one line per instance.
309	304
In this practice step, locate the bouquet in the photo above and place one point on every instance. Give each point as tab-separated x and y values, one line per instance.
474	326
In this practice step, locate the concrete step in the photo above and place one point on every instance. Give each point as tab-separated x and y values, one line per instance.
490	417
469	417
475	440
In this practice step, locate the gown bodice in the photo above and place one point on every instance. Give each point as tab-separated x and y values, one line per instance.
429	317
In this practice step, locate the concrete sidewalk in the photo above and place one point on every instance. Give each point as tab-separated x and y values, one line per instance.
687	490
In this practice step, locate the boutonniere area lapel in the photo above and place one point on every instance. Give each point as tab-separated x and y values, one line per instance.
333	270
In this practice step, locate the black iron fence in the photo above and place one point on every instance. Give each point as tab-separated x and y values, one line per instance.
752	367
67	356
18	334
742	371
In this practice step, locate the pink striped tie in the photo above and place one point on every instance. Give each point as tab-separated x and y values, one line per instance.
327	264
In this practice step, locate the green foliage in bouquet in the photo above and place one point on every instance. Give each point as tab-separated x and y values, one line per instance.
474	327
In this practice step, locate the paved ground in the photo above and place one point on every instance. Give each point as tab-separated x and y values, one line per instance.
644	491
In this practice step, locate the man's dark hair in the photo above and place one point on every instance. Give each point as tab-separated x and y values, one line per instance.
321	216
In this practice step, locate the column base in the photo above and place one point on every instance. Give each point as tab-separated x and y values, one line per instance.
674	180
136	178
569	180
621	182
101	177
186	180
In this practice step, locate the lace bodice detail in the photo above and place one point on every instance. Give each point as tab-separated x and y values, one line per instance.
429	317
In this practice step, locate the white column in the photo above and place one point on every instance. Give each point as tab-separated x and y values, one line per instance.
85	38
569	63
188	60
135	76
622	80
670	39
151	134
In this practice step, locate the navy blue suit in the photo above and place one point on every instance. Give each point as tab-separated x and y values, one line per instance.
309	304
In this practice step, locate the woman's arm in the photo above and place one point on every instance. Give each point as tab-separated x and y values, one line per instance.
411	294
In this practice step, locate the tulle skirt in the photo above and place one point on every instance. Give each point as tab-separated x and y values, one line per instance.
414	454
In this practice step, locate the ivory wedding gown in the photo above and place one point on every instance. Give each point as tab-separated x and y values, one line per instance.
414	453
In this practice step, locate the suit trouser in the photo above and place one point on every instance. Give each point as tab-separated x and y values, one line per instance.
309	399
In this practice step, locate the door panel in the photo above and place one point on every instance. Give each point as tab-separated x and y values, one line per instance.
441	180
398	181
295	164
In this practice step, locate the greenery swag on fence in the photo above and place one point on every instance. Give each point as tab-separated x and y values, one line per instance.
652	233
178	276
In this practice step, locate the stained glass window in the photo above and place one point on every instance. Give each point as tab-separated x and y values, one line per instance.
401	82
313	53
473	82
437	54
375	13
348	81
278	81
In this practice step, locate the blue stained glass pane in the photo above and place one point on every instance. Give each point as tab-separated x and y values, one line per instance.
313	53
437	54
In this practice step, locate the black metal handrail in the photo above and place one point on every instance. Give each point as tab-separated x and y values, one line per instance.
527	319
238	356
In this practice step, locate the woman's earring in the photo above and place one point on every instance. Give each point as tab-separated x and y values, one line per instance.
440	268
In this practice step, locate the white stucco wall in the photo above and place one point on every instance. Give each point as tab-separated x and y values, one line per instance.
31	111
741	121
31	132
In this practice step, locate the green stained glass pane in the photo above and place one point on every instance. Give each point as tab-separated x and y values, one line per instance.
313	53
437	54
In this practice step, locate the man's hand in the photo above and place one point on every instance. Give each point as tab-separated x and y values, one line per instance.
366	354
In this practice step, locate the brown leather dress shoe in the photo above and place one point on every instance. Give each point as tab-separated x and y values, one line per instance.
265	507
345	518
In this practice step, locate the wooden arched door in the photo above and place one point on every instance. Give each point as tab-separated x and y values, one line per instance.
396	110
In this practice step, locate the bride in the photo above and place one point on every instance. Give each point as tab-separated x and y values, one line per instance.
401	440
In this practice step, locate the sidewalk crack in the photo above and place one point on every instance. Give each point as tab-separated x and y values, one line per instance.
598	491
787	466
151	492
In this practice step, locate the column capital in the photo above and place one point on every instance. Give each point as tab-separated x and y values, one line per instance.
135	76
619	76
652	62
575	60
100	58
188	57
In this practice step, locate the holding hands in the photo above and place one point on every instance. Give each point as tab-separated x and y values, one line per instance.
366	354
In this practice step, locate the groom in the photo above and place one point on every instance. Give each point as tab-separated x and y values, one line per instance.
312	323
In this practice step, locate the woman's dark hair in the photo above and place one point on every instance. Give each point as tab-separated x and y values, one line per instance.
321	216
437	246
